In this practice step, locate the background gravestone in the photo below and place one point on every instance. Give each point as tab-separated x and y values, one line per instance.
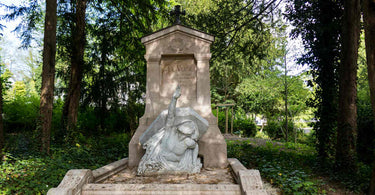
180	55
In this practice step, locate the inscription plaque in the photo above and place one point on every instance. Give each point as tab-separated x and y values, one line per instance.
179	70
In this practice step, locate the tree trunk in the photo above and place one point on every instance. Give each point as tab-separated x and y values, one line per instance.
347	115
72	102
328	17
48	74
1	120
369	23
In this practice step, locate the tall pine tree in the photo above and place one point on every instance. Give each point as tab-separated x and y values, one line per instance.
48	74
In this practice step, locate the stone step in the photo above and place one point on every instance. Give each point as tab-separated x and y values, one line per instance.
156	189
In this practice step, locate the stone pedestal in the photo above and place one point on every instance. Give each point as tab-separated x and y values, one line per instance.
179	55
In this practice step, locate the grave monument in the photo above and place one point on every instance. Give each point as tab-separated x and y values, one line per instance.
179	55
173	132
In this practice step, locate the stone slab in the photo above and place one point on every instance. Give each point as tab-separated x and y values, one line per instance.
73	182
251	182
236	167
106	171
156	189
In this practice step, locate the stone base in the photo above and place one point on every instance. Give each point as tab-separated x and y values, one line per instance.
157	189
85	181
212	147
135	149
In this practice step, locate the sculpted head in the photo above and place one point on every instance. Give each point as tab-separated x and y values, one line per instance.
188	128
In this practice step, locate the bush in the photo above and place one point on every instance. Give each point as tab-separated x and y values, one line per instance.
21	114
120	120
247	127
276	130
241	125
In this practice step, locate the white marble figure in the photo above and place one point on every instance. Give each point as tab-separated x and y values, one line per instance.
171	141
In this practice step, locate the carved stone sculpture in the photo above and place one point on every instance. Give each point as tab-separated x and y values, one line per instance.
171	141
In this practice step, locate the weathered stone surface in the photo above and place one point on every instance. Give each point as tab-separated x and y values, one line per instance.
236	167
213	177
106	171
156	189
251	182
73	182
179	55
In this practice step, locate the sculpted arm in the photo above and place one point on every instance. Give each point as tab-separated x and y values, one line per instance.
172	108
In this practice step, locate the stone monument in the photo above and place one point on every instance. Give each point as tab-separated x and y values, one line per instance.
176	56
179	55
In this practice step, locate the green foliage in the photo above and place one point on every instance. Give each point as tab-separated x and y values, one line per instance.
114	70
294	167
30	12
245	126
365	119
283	168
118	120
276	130
245	39
21	113
261	135
261	93
319	25
241	125
25	173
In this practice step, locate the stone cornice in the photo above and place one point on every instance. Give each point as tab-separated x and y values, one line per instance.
176	28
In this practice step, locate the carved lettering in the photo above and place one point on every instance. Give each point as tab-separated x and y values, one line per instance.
179	71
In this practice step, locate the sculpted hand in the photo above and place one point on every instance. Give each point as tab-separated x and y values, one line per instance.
177	93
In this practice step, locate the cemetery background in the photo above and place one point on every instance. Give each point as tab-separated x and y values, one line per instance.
101	128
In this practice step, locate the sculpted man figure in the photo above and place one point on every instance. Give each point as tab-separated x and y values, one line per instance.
171	141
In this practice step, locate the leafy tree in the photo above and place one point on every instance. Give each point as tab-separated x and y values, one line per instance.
244	40
71	105
32	16
265	94
115	74
318	22
369	23
2	141
261	94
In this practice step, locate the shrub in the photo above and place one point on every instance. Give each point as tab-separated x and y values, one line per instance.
243	126
276	130
21	114
262	135
247	127
273	129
